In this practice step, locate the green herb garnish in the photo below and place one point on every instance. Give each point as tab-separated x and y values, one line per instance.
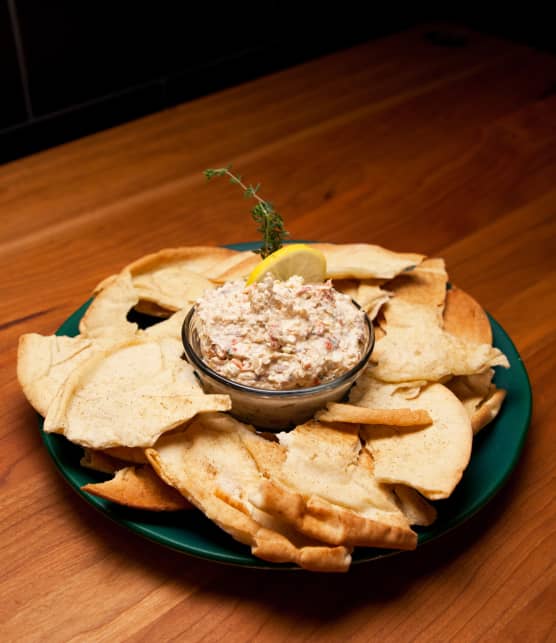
271	225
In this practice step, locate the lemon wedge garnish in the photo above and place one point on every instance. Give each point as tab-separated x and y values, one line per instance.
295	259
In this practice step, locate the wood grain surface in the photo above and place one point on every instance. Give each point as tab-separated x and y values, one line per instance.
448	151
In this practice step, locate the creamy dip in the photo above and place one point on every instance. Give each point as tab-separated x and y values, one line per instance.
280	334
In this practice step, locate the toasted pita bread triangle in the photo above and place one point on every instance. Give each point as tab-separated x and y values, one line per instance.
336	412
371	298
365	261
128	396
417	348
169	328
198	259
101	461
423	286
107	314
430	459
367	293
209	462
171	287
415	508
237	267
464	317
487	410
480	397
44	363
139	488
173	278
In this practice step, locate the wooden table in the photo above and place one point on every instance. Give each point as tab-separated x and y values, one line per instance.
434	141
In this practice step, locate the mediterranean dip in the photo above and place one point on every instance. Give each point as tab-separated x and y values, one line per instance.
280	335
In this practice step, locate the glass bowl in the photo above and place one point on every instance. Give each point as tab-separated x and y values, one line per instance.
266	408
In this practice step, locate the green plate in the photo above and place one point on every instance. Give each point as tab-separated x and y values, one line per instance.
495	453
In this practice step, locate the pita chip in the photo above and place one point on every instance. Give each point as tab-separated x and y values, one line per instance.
367	293
417	348
107	314
44	363
173	278
464	317
100	461
129	395
237	267
430	459
198	259
371	298
139	488
487	410
365	261
423	286
171	287
480	397
337	412
170	328
415	508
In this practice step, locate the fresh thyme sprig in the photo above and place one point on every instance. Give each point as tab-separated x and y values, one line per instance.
271	225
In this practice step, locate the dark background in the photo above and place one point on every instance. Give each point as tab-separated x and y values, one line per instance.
72	67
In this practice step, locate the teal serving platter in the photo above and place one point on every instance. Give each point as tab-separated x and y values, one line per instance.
496	451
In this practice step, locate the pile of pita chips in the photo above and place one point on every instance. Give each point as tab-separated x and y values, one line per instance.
434	354
212	468
361	473
320	481
114	388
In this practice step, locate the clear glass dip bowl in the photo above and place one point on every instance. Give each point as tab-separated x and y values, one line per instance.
264	408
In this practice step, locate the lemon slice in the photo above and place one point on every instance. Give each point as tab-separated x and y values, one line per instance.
294	259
